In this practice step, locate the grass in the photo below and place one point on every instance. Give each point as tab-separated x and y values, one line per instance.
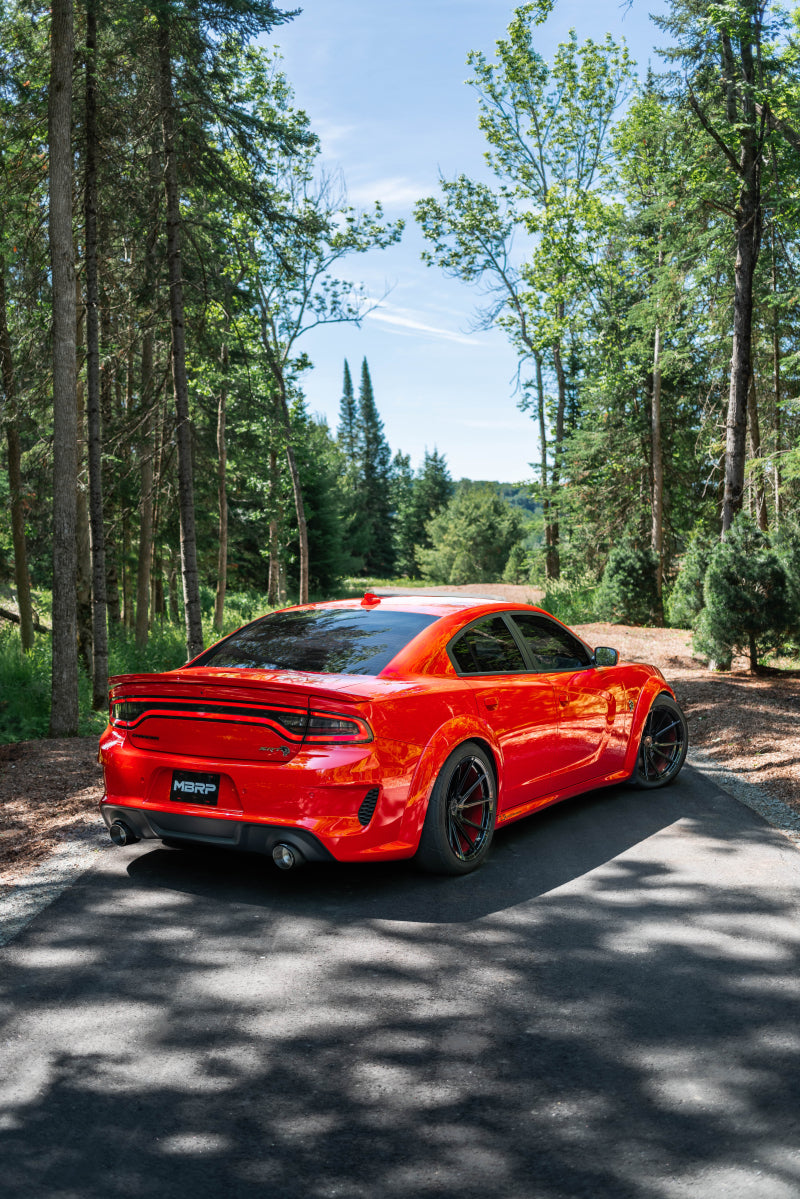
25	678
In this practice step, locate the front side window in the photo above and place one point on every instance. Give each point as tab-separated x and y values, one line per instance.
550	647
487	647
320	640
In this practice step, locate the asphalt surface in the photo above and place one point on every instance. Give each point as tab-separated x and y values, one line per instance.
610	1007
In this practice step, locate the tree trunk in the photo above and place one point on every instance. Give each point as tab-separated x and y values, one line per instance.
748	239
127	607
552	566
156	577
83	539
297	490
96	523
657	506
105	426
273	586
183	433
146	501
172	585
558	446
776	382
222	459
755	454
21	576
64	705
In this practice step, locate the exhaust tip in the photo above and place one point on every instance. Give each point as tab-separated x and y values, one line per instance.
286	857
122	834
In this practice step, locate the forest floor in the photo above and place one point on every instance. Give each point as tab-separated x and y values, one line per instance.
49	790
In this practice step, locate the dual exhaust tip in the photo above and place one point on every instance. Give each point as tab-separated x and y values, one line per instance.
285	857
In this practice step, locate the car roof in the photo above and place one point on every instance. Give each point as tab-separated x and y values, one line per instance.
432	605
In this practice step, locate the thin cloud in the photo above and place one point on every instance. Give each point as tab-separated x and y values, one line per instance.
404	321
332	135
393	192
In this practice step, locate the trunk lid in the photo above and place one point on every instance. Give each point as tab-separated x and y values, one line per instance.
204	714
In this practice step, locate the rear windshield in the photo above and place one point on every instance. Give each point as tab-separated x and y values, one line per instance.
323	640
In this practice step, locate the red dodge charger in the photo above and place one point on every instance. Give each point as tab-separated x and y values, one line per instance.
380	728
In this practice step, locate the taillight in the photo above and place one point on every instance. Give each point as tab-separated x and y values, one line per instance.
290	723
326	727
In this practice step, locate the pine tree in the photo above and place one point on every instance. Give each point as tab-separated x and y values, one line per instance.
748	599
404	487
415	504
348	416
375	473
472	538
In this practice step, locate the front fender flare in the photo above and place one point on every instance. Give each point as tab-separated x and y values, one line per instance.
654	687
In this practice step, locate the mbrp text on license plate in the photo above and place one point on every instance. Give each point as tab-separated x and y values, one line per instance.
190	786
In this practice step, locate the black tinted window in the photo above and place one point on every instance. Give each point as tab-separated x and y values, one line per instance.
488	647
323	640
550	646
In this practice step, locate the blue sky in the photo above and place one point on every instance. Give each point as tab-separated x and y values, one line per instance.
383	84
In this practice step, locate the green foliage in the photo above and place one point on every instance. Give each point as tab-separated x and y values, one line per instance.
375	472
686	599
319	462
25	678
348	417
518	567
786	544
24	687
748	604
418	497
571	598
627	592
471	538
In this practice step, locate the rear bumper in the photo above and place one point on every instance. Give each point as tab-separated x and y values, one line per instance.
213	831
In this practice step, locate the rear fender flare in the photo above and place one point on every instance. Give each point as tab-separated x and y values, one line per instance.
654	687
447	738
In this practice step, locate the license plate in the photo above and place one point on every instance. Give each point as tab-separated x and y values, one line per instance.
192	787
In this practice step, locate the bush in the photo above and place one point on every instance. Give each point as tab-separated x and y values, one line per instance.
627	593
571	599
748	605
686	601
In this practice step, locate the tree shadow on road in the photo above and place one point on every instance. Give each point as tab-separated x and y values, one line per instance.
587	1016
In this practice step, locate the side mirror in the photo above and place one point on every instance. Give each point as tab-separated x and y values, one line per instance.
605	656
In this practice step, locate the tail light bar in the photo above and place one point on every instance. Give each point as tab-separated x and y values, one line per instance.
293	724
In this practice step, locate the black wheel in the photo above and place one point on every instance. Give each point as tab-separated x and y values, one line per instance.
459	823
662	749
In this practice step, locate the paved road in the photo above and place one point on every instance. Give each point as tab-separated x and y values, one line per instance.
611	1007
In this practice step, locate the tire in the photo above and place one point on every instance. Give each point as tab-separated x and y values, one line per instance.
459	823
663	745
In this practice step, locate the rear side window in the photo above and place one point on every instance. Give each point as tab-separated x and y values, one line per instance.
487	647
320	640
550	647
